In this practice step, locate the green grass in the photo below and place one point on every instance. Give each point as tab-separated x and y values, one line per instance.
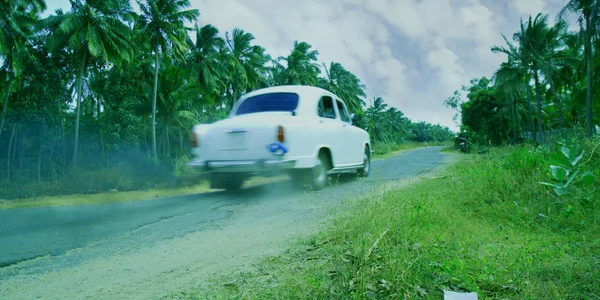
387	150
484	225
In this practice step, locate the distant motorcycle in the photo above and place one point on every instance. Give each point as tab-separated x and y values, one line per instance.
463	146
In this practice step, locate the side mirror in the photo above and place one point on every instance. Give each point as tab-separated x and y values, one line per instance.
355	118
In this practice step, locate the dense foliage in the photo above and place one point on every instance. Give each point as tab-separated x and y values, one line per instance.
81	88
541	91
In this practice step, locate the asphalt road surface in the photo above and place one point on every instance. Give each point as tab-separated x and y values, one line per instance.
34	241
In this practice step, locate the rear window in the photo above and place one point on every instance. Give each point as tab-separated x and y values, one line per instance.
269	102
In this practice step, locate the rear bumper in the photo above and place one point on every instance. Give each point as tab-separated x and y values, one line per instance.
244	166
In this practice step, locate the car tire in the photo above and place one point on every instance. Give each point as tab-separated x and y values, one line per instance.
319	173
314	178
366	169
228	182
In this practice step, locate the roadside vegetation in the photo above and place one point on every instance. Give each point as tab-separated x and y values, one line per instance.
484	224
514	219
77	110
185	183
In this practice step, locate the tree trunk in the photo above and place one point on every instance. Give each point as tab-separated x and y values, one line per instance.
103	153
530	108
98	104
538	101
62	134
154	91
78	109
514	118
557	102
5	106
180	140
21	148
39	161
161	141
589	63
168	142
146	137
8	156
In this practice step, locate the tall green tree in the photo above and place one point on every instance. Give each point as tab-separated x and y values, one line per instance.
301	66
532	38
162	24
483	113
343	83
247	64
17	24
588	12
92	28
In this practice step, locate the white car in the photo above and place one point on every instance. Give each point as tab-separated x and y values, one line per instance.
302	130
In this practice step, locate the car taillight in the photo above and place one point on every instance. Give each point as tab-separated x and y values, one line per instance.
280	134
193	139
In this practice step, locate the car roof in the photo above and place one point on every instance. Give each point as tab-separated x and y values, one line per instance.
309	95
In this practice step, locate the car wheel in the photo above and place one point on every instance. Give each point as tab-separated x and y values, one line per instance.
366	169
229	182
314	178
319	173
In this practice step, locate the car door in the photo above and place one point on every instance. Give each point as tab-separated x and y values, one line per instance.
332	129
351	136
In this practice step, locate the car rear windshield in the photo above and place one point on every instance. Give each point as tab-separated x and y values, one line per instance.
269	102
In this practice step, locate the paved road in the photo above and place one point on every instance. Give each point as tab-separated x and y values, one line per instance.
29	233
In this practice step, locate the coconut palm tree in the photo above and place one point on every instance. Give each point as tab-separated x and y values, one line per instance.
246	64
531	39
176	98
523	61
92	28
17	23
589	19
206	61
302	66
162	25
344	84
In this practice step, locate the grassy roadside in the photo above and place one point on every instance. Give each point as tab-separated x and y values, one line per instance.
382	151
387	150
485	225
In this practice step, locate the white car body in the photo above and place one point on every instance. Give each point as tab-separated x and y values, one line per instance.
312	145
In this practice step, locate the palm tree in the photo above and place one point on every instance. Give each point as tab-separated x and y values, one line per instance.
374	116
532	39
302	67
206	61
162	24
521	62
589	19
276	74
176	99
247	63
344	84
557	55
17	22
92	28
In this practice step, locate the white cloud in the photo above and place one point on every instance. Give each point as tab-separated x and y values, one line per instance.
449	71
529	7
414	53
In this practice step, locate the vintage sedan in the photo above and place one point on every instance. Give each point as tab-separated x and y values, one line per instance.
304	131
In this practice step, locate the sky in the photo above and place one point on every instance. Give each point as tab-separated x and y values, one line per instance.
412	53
